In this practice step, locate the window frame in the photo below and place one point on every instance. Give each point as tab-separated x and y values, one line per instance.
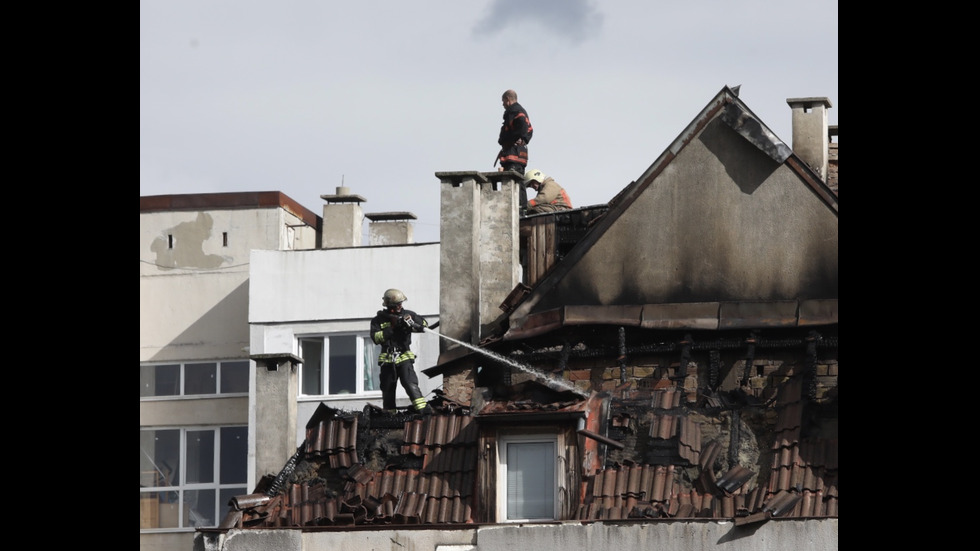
362	342
182	379
504	441
182	490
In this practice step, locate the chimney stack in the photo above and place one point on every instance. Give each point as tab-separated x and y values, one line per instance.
479	251
811	140
391	228
342	219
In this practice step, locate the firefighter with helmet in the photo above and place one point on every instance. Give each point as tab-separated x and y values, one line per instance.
392	329
550	196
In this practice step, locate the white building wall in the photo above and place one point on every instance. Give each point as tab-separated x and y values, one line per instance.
194	276
193	295
339	284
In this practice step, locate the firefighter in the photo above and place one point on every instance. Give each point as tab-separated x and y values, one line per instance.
550	196
392	328
515	134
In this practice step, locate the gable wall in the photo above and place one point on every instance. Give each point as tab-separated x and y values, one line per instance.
724	222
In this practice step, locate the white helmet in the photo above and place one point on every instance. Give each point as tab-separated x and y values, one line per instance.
393	296
534	175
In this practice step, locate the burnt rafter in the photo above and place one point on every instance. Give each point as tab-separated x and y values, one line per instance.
279	482
566	349
735	438
685	346
622	355
749	358
714	368
810	373
592	346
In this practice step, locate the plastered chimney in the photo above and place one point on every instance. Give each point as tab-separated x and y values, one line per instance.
811	140
342	219
391	228
479	251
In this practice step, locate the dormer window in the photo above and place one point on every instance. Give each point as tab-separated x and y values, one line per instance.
527	478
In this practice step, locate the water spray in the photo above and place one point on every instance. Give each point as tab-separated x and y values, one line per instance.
549	381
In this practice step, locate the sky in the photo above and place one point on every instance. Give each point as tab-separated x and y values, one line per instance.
305	96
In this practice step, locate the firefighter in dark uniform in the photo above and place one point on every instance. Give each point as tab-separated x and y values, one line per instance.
515	134
392	328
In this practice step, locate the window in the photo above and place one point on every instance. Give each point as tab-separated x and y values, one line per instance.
527	478
194	379
188	475
338	365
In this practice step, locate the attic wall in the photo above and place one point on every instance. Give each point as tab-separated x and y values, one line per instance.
722	222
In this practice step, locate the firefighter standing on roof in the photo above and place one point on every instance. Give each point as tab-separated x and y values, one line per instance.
392	328
515	133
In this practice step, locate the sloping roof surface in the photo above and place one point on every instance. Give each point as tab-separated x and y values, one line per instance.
802	481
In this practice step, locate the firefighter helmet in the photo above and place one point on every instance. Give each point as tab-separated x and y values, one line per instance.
534	175
393	296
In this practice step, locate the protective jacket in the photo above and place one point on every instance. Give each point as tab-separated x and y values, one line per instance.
395	335
550	197
393	331
515	133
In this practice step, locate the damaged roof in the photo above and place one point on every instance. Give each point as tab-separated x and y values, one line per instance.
727	234
429	478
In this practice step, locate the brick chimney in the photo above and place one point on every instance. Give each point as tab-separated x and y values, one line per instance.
391	228
811	139
342	219
479	251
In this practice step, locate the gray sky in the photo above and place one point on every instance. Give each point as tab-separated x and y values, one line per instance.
302	96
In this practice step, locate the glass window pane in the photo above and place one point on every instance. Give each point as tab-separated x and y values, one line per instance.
159	458
201	378
200	456
530	480
234	377
158	510
166	499
159	380
234	455
343	364
372	371
311	350
200	508
170	511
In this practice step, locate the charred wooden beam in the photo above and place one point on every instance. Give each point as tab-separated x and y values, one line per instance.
749	358
810	374
622	354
